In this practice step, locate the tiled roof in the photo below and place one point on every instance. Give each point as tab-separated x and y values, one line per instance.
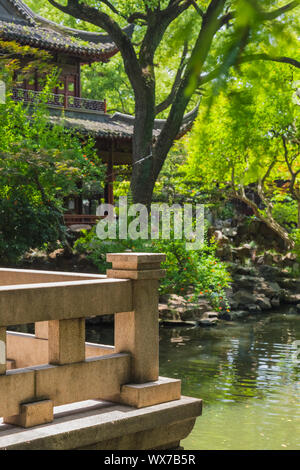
118	125
19	23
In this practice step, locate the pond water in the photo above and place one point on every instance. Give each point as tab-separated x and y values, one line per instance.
246	376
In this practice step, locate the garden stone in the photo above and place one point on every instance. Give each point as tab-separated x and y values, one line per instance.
247	282
224	252
269	289
243	252
230	232
275	302
209	319
254	308
235	315
236	268
270	273
244	298
291	298
207	322
263	302
292	311
220	238
290	284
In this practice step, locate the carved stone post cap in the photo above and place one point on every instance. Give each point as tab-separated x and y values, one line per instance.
135	260
136	265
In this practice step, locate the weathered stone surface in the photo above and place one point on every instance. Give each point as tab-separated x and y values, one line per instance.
243	298
254	308
291	298
263	302
16	386
96	378
235	315
247	282
290	284
236	268
135	261
229	232
137	332
275	302
106	426
42	329
32	414
63	300
66	341
292	310
151	393
271	273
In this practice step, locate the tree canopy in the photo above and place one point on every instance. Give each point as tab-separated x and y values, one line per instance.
40	164
249	142
178	48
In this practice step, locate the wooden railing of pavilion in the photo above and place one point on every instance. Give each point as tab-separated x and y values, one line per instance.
60	100
81	219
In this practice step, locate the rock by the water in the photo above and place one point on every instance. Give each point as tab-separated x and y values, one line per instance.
254	308
275	302
263	302
235	315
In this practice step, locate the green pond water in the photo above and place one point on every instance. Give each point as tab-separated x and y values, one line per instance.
246	376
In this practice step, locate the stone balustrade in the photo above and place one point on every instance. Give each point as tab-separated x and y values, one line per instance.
56	366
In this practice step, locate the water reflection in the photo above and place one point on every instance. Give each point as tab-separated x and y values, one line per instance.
245	375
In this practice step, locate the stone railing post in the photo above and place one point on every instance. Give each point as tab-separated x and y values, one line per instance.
137	331
66	341
41	330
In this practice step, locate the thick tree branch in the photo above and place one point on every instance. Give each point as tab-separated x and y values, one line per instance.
249	58
169	100
189	83
280	11
269	221
283	59
198	9
104	21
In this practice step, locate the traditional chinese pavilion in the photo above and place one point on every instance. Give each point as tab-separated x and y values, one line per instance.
71	49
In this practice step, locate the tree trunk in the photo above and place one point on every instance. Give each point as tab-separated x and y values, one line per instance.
271	223
142	180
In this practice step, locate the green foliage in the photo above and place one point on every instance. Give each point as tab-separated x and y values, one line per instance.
285	210
25	223
40	163
251	137
192	274
296	238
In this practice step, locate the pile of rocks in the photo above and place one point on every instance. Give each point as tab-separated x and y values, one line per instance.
261	289
258	289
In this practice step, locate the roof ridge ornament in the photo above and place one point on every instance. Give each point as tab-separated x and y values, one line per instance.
23	10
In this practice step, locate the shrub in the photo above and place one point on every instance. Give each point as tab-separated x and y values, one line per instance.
188	273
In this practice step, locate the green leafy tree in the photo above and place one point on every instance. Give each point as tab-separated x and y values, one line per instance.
40	164
249	142
195	43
